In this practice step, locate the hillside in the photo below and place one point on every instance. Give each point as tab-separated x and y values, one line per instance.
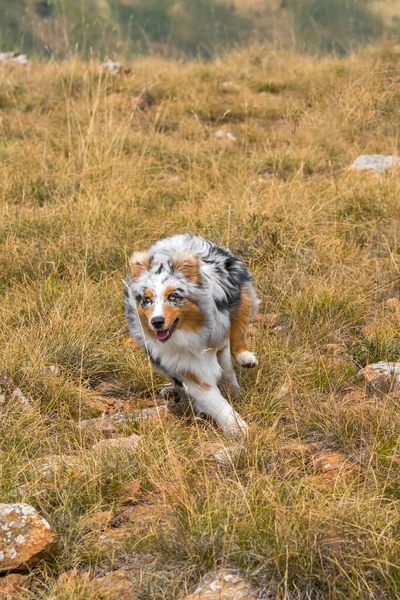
92	170
184	28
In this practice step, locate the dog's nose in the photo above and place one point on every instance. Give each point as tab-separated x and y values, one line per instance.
158	322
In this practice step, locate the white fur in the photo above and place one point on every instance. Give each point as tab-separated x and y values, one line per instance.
246	359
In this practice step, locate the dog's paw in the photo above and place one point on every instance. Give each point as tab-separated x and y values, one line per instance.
246	359
171	392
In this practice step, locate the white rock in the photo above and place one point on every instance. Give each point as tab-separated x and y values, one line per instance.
224	134
14	58
374	162
111	66
223	584
230	86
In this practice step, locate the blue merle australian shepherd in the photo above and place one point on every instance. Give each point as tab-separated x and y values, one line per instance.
189	303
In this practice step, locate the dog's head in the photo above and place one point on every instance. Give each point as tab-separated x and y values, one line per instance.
165	293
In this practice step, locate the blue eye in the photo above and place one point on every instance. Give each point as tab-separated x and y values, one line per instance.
147	301
174	298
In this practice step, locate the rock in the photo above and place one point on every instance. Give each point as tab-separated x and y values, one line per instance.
230	86
225	135
110	424
113	67
116	585
334	349
146	100
129	493
393	304
111	389
12	394
48	465
24	536
12	584
99	520
223	584
145	516
302	449
382	377
224	456
328	461
374	162
123	444
14	58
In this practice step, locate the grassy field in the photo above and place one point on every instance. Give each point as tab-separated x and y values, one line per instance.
86	178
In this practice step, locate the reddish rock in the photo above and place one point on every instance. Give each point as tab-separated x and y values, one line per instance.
99	520
129	493
116	585
382	377
24	536
12	584
329	461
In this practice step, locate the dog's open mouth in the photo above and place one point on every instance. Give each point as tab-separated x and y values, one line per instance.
164	334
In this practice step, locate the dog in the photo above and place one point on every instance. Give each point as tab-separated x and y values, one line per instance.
189	302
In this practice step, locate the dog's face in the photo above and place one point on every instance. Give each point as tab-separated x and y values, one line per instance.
164	294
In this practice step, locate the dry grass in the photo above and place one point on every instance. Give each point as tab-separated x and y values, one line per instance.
85	181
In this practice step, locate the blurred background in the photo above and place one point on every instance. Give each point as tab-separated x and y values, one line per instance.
188	28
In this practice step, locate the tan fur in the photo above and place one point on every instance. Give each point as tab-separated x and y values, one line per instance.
188	264
139	262
195	379
240	323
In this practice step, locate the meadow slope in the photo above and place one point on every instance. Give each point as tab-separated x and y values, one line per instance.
86	178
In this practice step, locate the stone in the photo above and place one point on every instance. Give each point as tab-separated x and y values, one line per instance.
222	455
123	444
328	461
51	464
110	424
334	349
116	585
378	163
99	520
13	395
393	304
24	536
14	58
146	100
381	377
112	66
230	86
111	389
146	516
129	493
224	584
225	135
12	584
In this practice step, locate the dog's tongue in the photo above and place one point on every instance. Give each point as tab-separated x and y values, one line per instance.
162	335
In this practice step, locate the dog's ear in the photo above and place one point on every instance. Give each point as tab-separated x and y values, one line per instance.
188	264
139	263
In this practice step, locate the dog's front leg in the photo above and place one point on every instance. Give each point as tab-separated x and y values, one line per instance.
208	399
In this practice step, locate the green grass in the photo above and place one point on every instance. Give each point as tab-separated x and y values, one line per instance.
85	182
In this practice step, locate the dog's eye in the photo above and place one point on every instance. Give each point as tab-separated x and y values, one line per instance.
174	298
147	301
